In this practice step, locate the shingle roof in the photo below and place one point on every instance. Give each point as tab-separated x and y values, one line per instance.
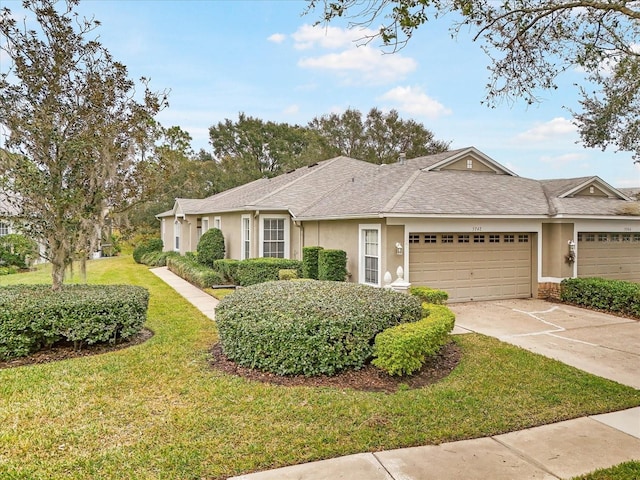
344	187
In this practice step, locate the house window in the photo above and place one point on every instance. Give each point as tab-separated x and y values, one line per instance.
463	238
615	237
217	223
176	233
509	239
523	238
590	237
274	236
636	237
430	239
4	229
205	224
579	237
446	239
494	238
603	237
478	239
626	237
370	254
469	163
246	237
414	238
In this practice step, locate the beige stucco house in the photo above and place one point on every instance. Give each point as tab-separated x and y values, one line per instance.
456	220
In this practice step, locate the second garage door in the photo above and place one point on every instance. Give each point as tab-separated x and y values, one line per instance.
609	255
485	266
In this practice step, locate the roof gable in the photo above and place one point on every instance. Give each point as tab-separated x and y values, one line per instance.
470	160
593	187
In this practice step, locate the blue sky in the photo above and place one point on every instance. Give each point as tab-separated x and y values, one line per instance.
264	58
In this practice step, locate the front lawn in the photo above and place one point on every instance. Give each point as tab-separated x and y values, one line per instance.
157	410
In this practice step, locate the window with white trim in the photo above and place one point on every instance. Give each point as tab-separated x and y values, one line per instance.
205	224
274	236
4	229
217	223
370	249
245	248
176	234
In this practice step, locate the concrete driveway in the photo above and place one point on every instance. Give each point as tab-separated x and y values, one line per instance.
605	345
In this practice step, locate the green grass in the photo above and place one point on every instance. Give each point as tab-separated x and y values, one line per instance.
219	293
624	471
158	411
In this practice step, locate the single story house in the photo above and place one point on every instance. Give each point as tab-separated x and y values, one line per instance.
456	220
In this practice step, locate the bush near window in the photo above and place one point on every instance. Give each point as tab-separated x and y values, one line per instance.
194	272
332	265
34	316
17	251
228	268
309	327
211	247
147	246
430	295
403	349
310	262
259	270
615	296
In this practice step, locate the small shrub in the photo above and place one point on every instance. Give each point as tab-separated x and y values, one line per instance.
615	296
332	265
17	251
403	349
308	327
34	316
260	270
310	262
228	268
430	295
211	247
193	271
287	274
147	246
157	259
8	270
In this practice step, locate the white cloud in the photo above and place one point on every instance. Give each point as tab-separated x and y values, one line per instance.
308	36
559	161
556	127
414	101
291	109
277	38
362	65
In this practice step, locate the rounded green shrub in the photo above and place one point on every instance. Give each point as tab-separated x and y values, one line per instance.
211	247
308	327
147	246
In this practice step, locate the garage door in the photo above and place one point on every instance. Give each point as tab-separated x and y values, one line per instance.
609	255
486	266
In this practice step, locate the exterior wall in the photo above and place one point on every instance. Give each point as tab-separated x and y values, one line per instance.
586	192
391	260
555	246
461	164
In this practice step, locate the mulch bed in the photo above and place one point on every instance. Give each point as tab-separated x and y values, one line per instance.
65	351
369	378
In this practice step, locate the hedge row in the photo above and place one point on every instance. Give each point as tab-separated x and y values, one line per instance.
34	316
255	270
309	327
157	259
403	349
615	296
193	271
430	295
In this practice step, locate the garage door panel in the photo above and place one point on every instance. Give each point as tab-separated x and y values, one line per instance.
473	271
612	255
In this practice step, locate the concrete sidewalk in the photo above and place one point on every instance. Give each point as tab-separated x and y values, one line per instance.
557	451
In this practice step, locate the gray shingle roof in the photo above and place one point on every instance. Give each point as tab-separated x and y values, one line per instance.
344	187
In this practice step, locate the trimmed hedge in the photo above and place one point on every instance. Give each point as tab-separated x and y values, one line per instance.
332	265
259	270
403	349
157	259
308	327
430	295
310	262
194	272
147	246
34	316
228	268
211	247
615	296
288	274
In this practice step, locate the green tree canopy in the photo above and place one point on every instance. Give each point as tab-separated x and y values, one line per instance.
78	132
529	43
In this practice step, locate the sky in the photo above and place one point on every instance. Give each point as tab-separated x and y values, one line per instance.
266	58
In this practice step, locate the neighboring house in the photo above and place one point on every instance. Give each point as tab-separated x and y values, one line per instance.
456	220
6	212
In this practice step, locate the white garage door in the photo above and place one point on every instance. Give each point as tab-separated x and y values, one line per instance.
609	255
485	266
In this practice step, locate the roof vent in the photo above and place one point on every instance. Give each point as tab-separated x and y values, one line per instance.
402	158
